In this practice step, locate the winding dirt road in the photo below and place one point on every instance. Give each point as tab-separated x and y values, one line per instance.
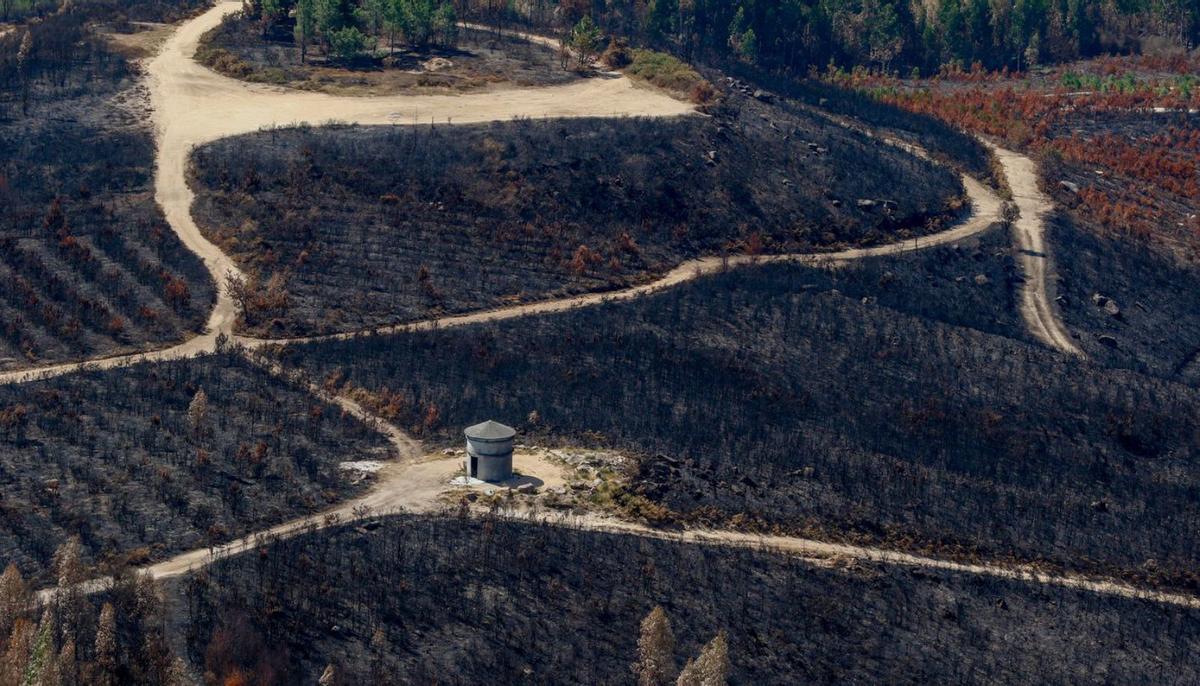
194	105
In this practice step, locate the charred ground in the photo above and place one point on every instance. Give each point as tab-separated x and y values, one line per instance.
777	401
121	459
472	601
346	229
88	264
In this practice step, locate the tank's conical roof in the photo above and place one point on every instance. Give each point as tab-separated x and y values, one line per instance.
490	431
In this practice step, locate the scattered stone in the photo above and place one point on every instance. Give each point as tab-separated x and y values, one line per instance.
361	466
982	280
527	489
763	95
436	64
865	203
1112	309
1100	505
836	203
1072	187
1105	339
1098	300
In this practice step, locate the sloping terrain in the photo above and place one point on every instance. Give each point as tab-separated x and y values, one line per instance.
123	459
347	229
1135	307
447	600
479	60
1118	145
764	398
88	265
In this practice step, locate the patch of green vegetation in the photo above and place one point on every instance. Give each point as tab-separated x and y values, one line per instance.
663	70
224	62
1127	83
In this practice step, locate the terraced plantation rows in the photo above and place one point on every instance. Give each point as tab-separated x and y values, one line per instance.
89	266
136	465
81	296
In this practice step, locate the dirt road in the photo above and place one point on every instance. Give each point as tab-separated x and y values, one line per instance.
1036	308
194	105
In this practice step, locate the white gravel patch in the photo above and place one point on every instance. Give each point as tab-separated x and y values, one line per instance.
362	466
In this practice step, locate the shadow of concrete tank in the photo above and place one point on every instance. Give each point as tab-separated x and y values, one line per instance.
489	451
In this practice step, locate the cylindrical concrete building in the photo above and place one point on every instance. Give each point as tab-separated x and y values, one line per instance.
489	451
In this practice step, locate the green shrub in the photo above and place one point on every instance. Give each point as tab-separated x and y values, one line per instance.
663	70
347	43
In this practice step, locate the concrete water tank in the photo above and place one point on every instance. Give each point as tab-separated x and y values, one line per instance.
489	451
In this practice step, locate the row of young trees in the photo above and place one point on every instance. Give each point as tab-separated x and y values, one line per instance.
345	28
66	640
795	35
